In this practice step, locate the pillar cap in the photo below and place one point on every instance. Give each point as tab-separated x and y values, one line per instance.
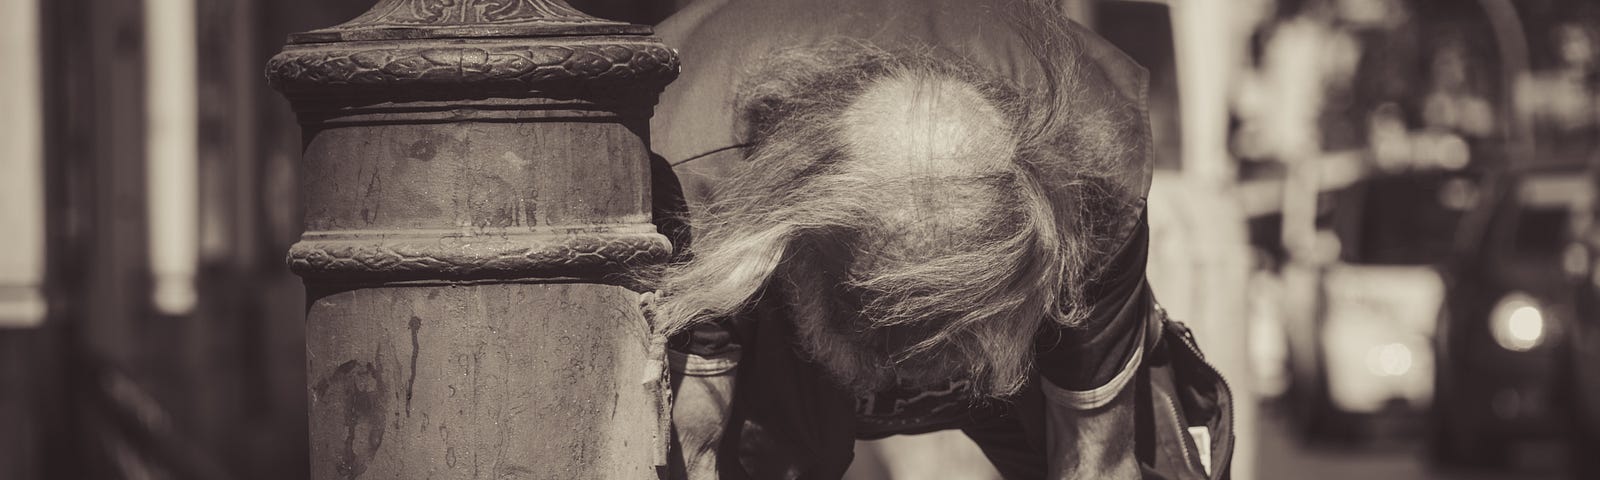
441	49
420	19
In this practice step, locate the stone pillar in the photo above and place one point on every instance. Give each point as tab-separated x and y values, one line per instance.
475	185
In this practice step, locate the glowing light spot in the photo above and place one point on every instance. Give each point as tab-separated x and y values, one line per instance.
1526	325
1517	323
1389	360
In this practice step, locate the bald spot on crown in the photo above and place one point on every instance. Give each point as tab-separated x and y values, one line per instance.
920	124
937	130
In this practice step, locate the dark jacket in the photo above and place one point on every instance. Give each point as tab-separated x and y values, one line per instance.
787	420
781	405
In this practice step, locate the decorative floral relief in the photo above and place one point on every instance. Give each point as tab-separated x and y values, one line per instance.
592	255
527	66
463	12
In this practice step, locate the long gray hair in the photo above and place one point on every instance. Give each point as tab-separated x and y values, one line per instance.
965	264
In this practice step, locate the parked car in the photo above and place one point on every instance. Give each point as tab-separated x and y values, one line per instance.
1507	313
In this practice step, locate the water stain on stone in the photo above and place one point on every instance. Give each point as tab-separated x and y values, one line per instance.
416	325
424	149
356	389
530	210
371	199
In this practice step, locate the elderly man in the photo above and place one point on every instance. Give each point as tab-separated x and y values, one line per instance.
907	216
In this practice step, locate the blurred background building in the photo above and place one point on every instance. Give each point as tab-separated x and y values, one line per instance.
1377	214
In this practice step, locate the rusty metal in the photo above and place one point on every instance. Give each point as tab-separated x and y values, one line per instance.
475	186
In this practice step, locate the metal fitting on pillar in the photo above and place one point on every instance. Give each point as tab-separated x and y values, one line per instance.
476	187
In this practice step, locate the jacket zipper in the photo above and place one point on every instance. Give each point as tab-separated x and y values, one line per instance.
1183	433
1227	414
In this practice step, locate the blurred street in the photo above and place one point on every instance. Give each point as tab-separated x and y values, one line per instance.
1282	455
1356	207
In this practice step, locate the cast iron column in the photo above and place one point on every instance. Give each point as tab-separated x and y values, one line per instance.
475	185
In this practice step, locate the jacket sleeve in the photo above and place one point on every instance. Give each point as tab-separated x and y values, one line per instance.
1088	432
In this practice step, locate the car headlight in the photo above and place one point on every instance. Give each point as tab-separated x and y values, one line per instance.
1517	322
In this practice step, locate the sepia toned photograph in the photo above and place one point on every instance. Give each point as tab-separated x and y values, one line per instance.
799	239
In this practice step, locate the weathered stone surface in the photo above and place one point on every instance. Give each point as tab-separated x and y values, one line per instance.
478	381
475	187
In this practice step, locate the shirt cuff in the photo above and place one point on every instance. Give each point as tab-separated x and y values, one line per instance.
1102	395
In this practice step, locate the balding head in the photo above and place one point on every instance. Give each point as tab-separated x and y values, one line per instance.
934	133
924	123
891	204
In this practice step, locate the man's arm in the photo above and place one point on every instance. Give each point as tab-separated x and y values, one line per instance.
703	372
1089	434
1087	370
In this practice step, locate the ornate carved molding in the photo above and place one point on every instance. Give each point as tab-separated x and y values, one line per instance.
418	256
501	66
455	12
417	19
448	61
